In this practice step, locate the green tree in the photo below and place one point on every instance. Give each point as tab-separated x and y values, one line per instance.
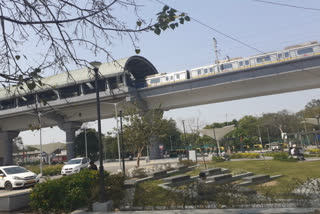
140	126
92	144
169	135
110	146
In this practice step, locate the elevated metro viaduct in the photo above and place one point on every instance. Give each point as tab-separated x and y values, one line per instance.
80	106
70	101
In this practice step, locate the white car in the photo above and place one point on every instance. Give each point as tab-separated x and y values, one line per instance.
17	176
75	165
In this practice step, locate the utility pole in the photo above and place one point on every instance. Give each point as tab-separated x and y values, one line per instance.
185	142
317	132
122	145
216	53
260	139
268	136
305	130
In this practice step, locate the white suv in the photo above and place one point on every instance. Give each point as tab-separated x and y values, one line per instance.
17	176
75	165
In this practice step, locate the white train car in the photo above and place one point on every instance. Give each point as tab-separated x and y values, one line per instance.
289	53
160	79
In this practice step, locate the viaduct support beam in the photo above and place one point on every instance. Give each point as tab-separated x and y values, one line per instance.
155	152
70	128
6	146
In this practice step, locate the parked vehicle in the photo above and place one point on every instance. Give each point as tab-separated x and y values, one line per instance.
75	165
275	146
17	176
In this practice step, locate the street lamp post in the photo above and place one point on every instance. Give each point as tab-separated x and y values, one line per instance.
184	133
85	141
96	66
118	138
40	129
317	117
123	164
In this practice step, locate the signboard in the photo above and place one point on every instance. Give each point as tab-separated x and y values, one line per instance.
193	155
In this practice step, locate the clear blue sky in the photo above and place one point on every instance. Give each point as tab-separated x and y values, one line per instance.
266	27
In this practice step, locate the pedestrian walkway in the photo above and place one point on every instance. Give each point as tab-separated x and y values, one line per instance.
216	211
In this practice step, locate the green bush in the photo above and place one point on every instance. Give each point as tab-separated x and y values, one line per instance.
71	192
282	156
46	170
217	159
244	155
139	173
314	151
187	163
272	154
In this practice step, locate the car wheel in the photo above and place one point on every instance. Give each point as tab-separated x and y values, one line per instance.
8	185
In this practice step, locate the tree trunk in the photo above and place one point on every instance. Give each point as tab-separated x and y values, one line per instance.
139	156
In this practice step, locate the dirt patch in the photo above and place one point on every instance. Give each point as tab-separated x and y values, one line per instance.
270	184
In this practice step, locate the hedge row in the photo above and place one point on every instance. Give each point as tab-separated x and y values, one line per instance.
314	151
244	155
272	154
46	170
71	192
283	156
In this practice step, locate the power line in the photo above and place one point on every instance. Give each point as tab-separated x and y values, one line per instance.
233	38
218	31
286	5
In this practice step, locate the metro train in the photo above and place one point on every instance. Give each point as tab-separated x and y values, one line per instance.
235	64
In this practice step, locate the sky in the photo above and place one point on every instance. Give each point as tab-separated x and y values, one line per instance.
266	27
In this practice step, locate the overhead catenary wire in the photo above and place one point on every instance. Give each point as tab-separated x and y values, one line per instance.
287	5
231	37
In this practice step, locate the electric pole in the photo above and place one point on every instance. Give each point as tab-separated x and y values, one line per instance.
216	53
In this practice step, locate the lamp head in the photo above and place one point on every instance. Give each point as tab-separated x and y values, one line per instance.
95	64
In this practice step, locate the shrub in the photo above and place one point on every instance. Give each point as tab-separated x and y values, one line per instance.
272	154
187	162
314	151
139	173
244	155
282	156
217	159
46	170
114	189
71	192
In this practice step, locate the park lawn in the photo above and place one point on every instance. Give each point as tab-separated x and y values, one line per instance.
150	194
293	174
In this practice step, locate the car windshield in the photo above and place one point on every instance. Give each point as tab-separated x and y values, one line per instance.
15	170
74	161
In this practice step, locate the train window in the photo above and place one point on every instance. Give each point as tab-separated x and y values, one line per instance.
286	54
205	71
279	56
211	70
199	72
240	63
167	78
171	78
227	66
263	59
156	80
305	51
177	76
246	62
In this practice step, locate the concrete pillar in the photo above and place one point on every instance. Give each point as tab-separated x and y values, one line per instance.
154	148
70	128
6	146
154	140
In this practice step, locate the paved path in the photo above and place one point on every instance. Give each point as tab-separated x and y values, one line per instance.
215	211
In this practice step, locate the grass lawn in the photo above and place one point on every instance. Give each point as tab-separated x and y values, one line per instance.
293	173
